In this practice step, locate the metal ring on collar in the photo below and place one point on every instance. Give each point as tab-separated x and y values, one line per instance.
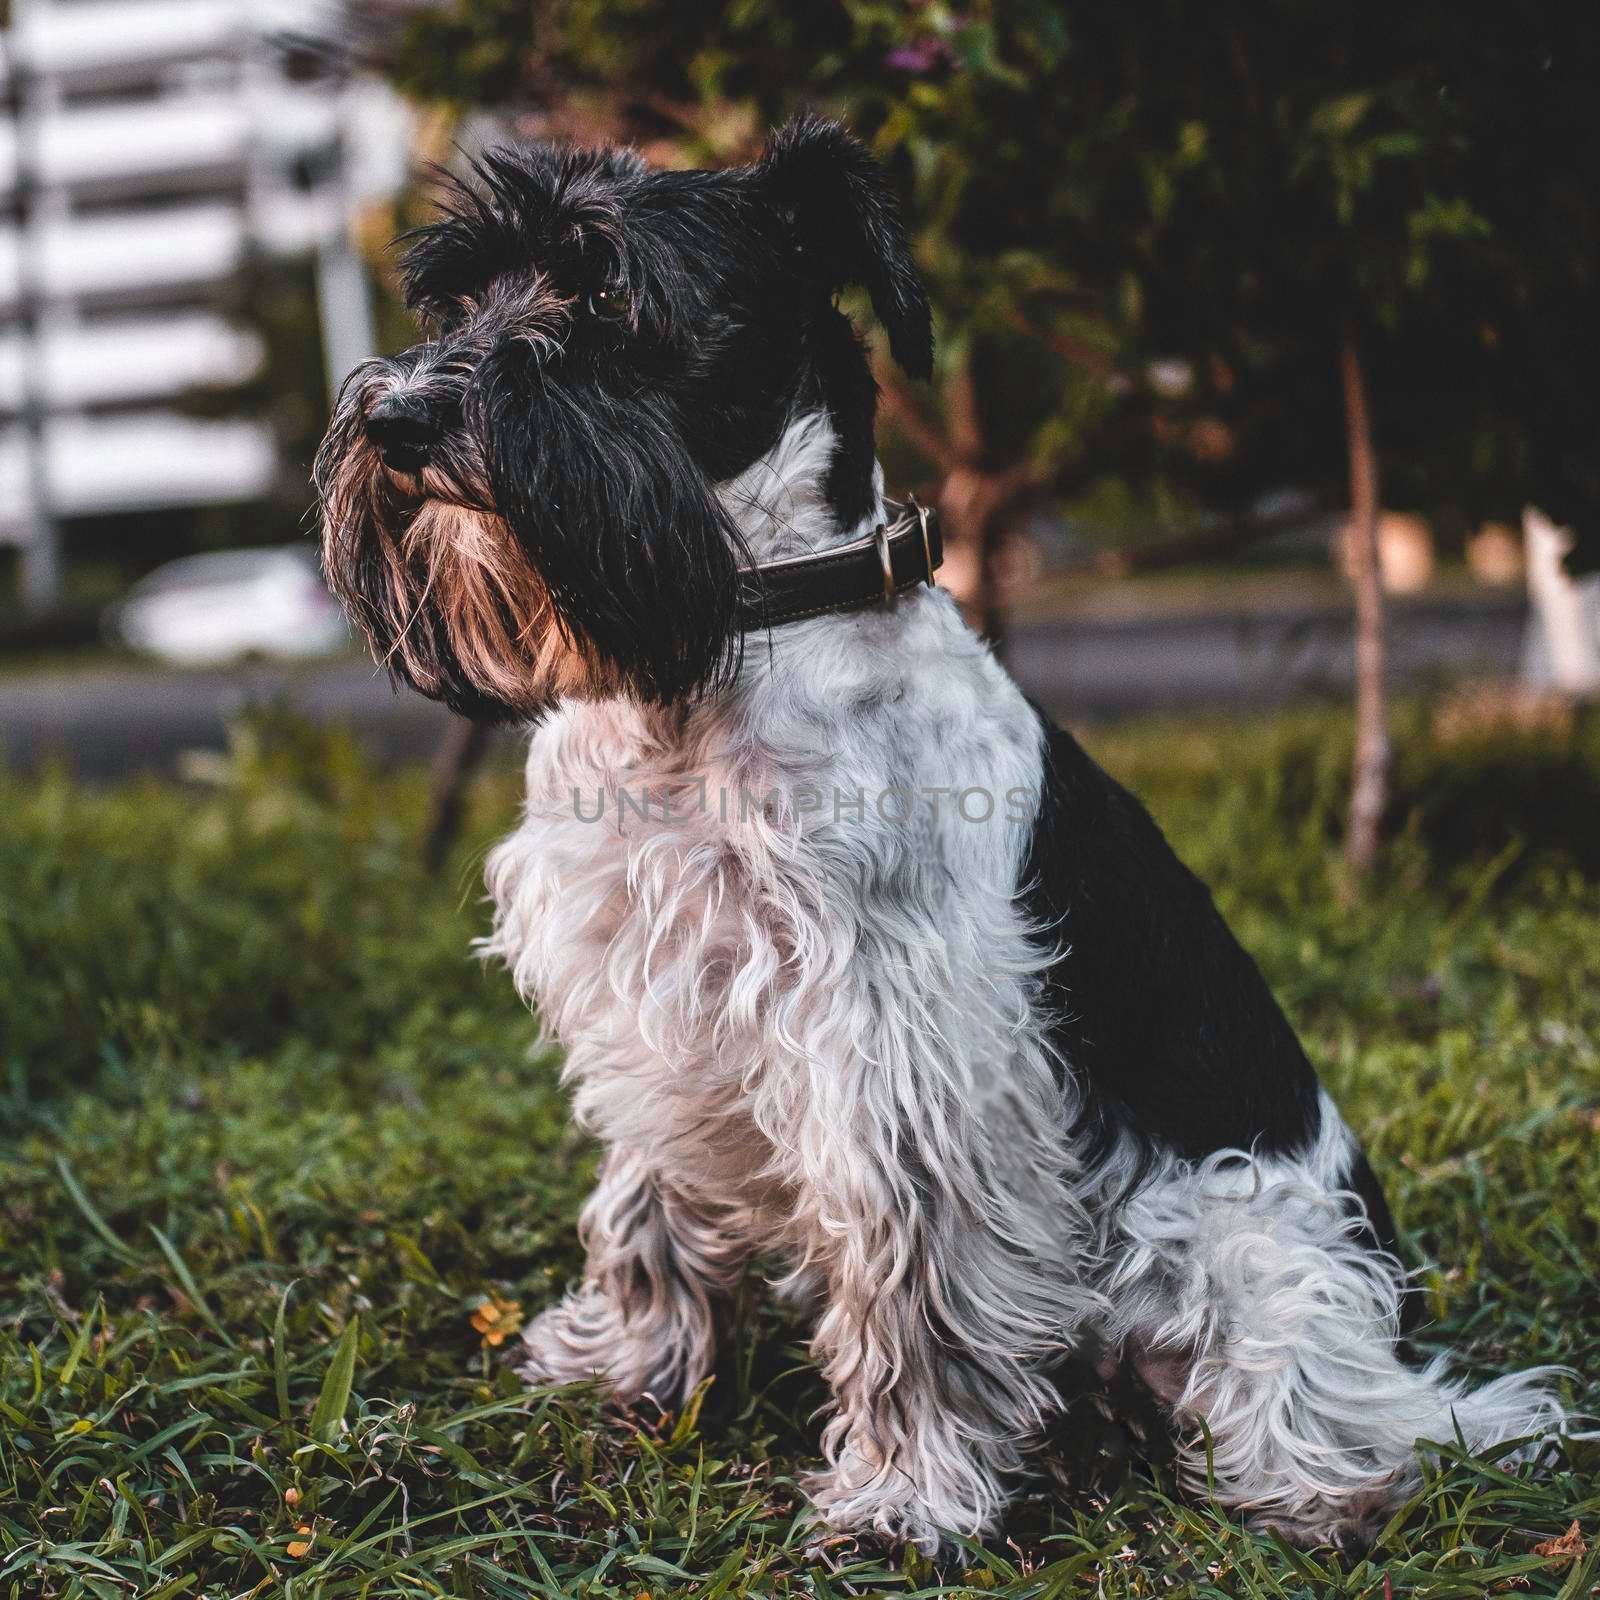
924	515
880	536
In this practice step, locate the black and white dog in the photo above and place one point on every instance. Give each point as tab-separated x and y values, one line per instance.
856	961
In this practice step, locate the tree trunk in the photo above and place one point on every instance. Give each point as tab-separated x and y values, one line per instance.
459	754
978	506
972	505
991	546
966	498
1369	793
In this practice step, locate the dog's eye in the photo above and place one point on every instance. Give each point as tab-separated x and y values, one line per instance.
608	304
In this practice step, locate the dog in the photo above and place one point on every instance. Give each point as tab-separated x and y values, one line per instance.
858	963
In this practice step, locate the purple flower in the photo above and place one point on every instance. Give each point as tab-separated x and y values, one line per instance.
922	56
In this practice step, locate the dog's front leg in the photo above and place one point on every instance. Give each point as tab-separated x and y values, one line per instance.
644	1320
929	1339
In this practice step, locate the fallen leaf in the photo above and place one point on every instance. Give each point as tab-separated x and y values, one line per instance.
496	1320
1569	1546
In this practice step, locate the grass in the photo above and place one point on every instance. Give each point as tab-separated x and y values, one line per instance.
274	1139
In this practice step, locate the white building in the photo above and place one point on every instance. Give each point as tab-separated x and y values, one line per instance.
149	147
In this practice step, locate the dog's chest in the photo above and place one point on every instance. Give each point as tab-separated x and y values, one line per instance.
716	914
629	910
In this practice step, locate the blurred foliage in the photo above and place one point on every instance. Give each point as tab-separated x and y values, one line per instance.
276	300
274	1138
1146	229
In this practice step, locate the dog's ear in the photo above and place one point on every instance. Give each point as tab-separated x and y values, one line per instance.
844	219
626	533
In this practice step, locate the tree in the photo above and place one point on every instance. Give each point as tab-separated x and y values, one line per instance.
1179	256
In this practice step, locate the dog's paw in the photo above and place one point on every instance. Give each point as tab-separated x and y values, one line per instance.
575	1341
589	1338
885	1506
1350	1525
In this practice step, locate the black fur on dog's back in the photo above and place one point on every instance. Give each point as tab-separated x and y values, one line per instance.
1172	1036
1162	1016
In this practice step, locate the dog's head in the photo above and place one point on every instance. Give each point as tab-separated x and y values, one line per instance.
524	505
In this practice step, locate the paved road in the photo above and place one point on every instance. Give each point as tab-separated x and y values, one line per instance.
1257	659
107	722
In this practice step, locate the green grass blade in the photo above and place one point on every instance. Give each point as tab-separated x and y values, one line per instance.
1582	1578
185	1277
79	1345
334	1398
280	1356
91	1216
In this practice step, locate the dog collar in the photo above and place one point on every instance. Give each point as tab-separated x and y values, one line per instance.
868	571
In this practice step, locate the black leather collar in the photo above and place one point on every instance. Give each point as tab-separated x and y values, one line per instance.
869	571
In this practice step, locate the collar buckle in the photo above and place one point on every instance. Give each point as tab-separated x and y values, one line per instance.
844	578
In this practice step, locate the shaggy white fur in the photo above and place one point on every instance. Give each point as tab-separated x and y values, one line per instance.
1245	1294
779	936
799	994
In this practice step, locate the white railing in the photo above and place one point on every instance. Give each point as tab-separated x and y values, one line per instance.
133	255
153	147
92	39
136	463
121	147
125	361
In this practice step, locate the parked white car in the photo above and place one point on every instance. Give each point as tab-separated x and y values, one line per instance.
214	609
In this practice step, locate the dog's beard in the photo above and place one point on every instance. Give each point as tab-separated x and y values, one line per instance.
447	599
495	610
586	554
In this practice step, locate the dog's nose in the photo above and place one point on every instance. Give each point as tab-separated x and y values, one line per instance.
404	431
